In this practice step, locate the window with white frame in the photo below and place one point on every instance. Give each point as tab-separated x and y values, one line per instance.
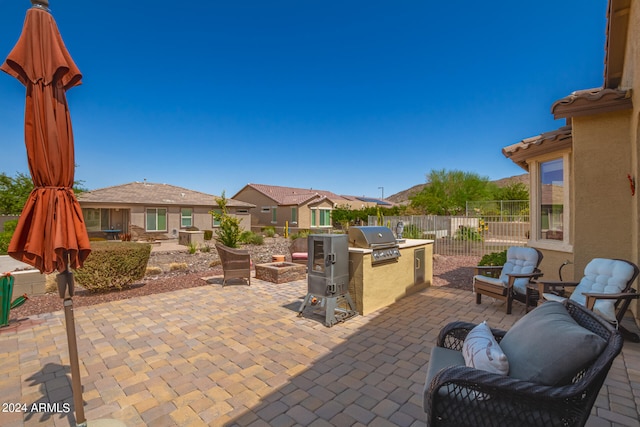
186	217
294	215
550	202
156	219
274	215
314	217
325	217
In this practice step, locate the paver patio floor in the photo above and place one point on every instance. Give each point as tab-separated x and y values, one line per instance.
240	356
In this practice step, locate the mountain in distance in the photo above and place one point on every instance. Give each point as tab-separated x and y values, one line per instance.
402	197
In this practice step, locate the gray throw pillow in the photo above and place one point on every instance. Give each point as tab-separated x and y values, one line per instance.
548	347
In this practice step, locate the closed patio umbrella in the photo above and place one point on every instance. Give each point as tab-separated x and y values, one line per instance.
51	234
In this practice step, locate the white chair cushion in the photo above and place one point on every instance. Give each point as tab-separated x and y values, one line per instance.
491	280
603	276
520	260
481	351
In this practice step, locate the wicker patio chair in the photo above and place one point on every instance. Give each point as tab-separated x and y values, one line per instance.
509	282
457	395
236	263
605	288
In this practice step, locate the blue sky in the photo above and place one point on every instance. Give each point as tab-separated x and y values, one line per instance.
345	96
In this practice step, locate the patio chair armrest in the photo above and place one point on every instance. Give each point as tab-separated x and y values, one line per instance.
452	335
487	386
533	275
592	297
514	276
487	270
558	283
554	286
483	381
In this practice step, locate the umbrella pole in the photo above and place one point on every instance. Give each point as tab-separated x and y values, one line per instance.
65	288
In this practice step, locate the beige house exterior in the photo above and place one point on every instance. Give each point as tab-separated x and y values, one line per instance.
583	175
151	211
299	208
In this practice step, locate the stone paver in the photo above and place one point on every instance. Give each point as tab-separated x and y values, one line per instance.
240	356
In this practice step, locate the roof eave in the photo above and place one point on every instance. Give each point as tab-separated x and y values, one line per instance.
548	142
618	13
592	101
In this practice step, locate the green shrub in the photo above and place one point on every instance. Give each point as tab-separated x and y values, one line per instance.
5	236
208	234
300	233
494	258
251	238
412	231
229	230
10	226
192	248
113	265
205	248
269	231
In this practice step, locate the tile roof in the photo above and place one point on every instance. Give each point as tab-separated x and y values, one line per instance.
536	145
295	196
592	101
151	193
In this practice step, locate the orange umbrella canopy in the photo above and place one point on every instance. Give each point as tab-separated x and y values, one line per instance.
51	226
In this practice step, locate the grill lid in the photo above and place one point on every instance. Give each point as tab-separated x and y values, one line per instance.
370	237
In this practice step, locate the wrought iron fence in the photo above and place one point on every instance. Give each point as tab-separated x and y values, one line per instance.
463	235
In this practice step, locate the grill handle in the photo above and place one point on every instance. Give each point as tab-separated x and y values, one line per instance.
331	259
417	263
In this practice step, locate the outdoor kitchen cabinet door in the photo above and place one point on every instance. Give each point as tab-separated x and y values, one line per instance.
419	266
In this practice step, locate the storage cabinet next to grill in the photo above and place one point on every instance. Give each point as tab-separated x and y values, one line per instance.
375	285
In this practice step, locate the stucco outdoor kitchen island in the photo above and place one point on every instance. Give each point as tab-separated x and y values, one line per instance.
376	285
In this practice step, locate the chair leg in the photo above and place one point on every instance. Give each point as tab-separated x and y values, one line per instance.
509	304
478	297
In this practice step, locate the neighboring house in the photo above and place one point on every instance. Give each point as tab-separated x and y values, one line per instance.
583	175
300	208
152	211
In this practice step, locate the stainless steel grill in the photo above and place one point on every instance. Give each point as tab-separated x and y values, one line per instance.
380	240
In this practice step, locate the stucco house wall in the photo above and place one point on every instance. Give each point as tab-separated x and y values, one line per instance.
602	200
259	218
631	78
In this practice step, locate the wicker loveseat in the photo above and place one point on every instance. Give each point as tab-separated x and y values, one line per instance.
458	395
